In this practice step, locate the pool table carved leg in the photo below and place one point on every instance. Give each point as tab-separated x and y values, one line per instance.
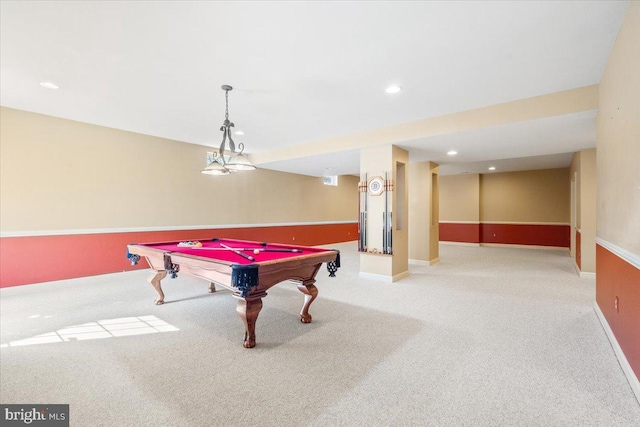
248	311
155	279
212	287
310	293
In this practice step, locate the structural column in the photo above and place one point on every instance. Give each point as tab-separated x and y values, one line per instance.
384	213
583	211
424	216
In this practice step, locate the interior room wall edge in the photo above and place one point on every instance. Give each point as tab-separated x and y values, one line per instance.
36	259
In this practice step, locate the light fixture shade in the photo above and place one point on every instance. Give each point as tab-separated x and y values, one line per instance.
240	163
215	168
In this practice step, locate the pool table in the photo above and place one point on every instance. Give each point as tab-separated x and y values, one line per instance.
247	268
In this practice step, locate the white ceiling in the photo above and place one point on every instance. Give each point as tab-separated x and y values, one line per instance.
307	71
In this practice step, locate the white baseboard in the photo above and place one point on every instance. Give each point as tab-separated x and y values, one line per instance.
575	265
400	276
508	245
444	242
622	359
583	274
382	277
423	262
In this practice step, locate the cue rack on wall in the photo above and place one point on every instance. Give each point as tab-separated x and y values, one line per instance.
375	195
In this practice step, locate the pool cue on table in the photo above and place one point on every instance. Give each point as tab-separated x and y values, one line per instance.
249	257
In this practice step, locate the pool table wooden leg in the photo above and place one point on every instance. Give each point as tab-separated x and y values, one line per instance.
155	279
248	311
310	293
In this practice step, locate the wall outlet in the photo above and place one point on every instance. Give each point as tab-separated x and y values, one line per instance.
616	304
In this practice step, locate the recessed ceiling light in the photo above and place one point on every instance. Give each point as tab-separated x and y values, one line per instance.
49	85
452	153
393	89
492	168
239	132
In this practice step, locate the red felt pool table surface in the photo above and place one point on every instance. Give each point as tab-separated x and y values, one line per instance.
213	249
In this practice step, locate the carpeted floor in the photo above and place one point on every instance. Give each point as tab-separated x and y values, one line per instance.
487	337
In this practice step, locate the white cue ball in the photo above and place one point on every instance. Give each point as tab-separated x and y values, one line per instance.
256	251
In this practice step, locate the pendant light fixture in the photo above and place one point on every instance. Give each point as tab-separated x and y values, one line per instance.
227	159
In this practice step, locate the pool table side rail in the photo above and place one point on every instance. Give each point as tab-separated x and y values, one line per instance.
145	249
301	268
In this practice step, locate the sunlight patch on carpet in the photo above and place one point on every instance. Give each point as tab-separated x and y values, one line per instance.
107	328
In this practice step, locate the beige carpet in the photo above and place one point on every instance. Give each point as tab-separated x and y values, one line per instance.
487	337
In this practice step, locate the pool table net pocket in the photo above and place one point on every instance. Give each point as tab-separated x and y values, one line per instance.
332	266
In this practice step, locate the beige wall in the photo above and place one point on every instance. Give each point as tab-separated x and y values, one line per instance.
618	139
583	173
58	174
526	196
460	198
